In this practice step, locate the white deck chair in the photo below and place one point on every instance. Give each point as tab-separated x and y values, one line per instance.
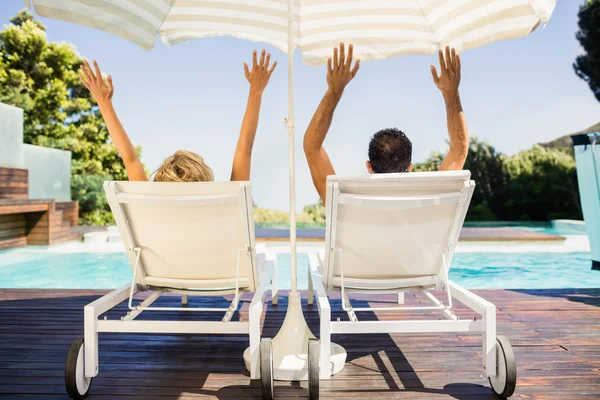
193	239
396	233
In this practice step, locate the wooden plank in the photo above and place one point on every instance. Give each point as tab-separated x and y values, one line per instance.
8	202
13	188
12	233
17	195
38	229
13	243
13	171
23	208
11	217
14	183
70	210
15	223
12	178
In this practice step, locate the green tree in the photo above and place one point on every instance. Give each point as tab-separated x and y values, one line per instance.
41	78
93	205
315	213
542	185
587	65
537	184
313	216
487	170
431	164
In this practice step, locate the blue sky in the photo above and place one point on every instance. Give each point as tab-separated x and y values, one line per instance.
193	95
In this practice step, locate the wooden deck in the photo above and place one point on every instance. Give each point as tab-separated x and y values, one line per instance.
555	334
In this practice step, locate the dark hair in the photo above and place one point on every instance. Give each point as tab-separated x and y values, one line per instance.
390	151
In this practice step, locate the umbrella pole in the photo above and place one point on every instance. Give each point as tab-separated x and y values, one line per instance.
290	122
290	345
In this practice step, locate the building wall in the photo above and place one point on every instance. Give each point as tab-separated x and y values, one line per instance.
49	172
49	169
11	137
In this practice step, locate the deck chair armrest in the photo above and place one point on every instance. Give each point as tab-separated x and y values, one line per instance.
322	300
473	301
261	259
316	268
264	279
315	263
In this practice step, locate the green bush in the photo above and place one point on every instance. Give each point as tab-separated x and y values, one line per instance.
488	172
97	217
538	184
315	213
88	190
313	216
541	185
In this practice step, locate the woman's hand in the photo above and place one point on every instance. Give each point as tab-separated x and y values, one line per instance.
101	91
261	73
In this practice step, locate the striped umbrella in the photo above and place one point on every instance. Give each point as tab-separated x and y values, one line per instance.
378	29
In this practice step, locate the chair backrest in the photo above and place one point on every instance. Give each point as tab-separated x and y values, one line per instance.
190	235
385	227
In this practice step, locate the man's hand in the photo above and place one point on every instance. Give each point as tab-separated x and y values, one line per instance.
449	79
95	84
339	70
458	133
339	73
260	74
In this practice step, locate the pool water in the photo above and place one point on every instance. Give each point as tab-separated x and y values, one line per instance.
550	228
34	267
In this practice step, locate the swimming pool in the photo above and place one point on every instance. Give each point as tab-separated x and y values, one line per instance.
35	267
556	227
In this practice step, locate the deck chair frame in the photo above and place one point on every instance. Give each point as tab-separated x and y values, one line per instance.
485	325
262	274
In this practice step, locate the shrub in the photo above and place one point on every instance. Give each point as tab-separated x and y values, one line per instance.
538	184
88	190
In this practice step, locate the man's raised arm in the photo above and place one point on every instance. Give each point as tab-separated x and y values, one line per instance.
339	74
448	82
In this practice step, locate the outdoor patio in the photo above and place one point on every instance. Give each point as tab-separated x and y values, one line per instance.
554	334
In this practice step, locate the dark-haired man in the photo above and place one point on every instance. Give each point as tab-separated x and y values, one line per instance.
389	150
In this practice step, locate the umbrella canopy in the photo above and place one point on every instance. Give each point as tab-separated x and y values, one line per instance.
378	28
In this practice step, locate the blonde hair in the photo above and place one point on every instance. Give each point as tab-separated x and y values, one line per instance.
184	166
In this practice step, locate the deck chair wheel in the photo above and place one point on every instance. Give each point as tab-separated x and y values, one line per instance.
505	381
75	381
266	368
313	369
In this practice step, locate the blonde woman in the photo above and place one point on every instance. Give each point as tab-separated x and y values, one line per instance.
183	166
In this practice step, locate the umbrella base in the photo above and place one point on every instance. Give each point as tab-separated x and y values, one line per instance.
290	346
